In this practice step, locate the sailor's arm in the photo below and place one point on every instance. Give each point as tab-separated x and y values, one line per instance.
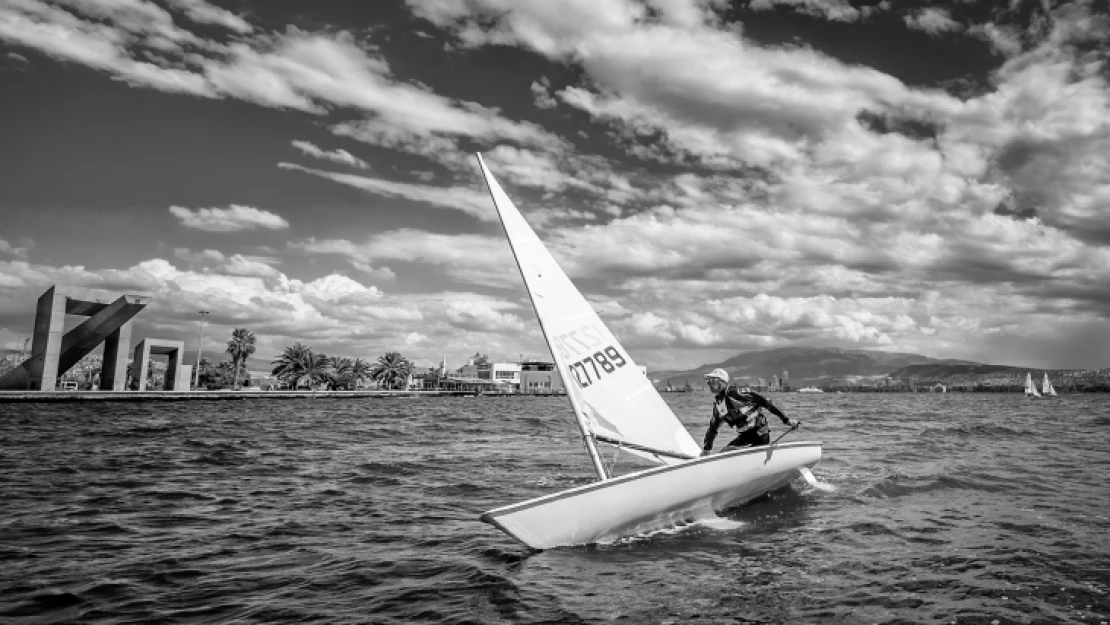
763	402
711	433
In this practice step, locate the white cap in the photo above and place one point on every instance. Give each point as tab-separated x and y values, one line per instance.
720	374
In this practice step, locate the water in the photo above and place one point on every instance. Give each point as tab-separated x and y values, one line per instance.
967	508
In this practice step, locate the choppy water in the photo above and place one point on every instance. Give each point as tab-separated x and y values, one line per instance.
948	508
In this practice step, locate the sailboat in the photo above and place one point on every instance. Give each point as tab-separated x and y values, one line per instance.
614	403
1046	388
1030	388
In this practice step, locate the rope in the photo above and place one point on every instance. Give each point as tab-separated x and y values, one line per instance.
613	463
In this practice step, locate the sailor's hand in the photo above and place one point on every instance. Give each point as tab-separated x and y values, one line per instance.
705	452
795	425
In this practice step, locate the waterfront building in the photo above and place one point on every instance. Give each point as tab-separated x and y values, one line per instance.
540	378
501	373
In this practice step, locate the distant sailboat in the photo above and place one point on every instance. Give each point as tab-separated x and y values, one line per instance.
1030	388
1046	387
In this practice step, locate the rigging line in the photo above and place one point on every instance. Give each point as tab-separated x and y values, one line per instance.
613	463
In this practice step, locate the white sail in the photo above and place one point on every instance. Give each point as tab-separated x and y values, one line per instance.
1030	388
616	402
1046	387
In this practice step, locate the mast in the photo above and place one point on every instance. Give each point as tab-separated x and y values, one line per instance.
587	435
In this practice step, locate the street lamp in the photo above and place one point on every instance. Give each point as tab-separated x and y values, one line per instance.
200	346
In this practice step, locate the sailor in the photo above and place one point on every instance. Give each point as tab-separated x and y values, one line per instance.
742	410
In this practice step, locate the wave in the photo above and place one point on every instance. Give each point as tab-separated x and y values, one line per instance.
902	486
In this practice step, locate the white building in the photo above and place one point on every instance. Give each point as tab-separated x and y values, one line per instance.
501	373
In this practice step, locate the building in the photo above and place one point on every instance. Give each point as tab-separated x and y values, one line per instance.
507	373
785	380
540	378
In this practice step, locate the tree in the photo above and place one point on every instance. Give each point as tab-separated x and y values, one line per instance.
360	370
392	370
480	359
299	366
241	347
340	371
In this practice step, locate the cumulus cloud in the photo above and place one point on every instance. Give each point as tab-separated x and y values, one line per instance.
12	250
542	95
231	219
336	156
933	20
333	313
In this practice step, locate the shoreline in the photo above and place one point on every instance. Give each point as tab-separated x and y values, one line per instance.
22	397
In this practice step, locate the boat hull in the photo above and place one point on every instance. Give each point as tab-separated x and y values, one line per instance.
653	499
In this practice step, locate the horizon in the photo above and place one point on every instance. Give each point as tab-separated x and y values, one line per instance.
716	177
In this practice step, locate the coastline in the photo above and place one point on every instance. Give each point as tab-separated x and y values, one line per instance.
19	397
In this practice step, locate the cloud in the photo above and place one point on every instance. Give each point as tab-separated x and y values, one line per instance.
239	265
473	259
1005	40
333	313
101	46
12	250
464	199
542	95
833	10
481	316
138	42
336	156
206	256
932	20
204	13
231	219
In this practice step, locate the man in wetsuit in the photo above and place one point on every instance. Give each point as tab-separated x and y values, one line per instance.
742	410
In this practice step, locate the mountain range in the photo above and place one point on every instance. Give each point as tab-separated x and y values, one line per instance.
804	365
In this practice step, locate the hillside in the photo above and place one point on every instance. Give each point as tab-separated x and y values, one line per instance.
1001	377
806	365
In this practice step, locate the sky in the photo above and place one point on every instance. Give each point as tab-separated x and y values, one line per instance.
716	177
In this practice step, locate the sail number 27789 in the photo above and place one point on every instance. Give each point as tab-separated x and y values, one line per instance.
604	361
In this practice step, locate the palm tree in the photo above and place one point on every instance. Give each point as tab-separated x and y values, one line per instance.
299	366
340	371
392	370
292	361
241	347
314	370
360	370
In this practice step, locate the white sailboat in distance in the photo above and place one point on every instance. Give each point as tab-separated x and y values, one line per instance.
616	404
1030	388
1046	388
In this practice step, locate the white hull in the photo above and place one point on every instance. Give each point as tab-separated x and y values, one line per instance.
653	499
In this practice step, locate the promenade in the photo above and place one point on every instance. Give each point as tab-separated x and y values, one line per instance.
12	397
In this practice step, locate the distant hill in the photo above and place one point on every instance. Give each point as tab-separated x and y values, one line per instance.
806	365
977	376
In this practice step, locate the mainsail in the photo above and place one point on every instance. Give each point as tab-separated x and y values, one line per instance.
613	400
1046	387
1030	388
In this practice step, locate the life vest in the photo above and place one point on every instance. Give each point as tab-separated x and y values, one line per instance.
737	416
